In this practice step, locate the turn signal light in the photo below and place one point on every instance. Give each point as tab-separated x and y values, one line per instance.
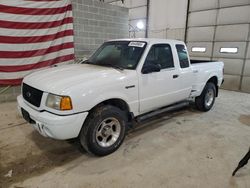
66	103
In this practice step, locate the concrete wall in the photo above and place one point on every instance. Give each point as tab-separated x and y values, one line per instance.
94	23
167	19
214	24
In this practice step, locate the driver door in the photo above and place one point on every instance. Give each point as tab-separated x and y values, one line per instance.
158	89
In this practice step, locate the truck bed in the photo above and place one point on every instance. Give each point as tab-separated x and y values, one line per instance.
194	61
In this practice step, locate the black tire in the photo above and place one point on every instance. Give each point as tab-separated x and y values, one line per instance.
94	126
201	101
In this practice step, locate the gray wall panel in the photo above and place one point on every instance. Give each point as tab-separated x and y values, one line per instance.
207	45
229	3
200	34
203	4
166	14
225	26
131	3
232	33
232	66
177	33
140	34
247	68
240	45
203	18
234	15
137	13
231	82
245	84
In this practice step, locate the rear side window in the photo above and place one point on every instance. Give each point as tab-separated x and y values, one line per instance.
160	54
182	54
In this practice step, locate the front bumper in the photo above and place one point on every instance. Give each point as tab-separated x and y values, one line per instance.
59	127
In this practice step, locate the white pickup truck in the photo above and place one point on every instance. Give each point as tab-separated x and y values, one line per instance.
122	81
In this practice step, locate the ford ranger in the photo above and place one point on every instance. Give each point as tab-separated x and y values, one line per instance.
121	82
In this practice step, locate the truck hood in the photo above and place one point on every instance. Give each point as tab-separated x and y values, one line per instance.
58	80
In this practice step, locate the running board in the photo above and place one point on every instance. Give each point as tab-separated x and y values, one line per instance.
172	107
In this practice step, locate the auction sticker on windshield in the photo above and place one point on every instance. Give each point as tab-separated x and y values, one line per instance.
137	44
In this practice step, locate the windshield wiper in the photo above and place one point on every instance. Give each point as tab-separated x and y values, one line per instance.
87	62
103	64
111	65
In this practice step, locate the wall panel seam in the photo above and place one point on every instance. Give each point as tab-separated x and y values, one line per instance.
215	28
245	59
219	8
195	26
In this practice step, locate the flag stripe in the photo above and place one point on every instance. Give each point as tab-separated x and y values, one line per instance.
13	82
34	11
37	25
20	74
35	4
34	39
34	32
31	60
37	65
29	18
43	0
15	75
37	46
33	53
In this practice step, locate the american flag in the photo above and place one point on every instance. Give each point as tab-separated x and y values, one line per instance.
33	35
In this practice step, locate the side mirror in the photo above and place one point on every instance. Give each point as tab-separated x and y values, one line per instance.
151	68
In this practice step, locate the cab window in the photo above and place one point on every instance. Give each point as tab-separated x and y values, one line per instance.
182	54
160	54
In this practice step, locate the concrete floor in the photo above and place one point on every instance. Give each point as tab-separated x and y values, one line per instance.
186	148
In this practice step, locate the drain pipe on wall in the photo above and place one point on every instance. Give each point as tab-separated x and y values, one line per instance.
186	27
147	19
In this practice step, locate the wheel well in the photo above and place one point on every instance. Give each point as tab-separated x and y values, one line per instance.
119	103
214	80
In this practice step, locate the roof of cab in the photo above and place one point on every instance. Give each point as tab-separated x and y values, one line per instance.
150	40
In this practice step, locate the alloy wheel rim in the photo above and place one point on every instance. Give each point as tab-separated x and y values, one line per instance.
209	97
108	132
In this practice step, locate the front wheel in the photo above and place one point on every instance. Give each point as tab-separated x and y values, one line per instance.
104	130
206	100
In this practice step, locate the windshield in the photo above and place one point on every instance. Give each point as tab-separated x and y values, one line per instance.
118	54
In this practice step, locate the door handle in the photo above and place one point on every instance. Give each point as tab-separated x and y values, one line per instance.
195	71
175	76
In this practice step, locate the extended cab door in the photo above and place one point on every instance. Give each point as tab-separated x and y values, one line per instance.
186	74
158	89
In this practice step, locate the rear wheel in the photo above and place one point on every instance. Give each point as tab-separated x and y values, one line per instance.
205	101
104	130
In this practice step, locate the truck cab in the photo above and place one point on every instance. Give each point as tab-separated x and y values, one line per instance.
172	82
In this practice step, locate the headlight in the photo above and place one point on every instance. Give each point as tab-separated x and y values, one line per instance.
59	102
